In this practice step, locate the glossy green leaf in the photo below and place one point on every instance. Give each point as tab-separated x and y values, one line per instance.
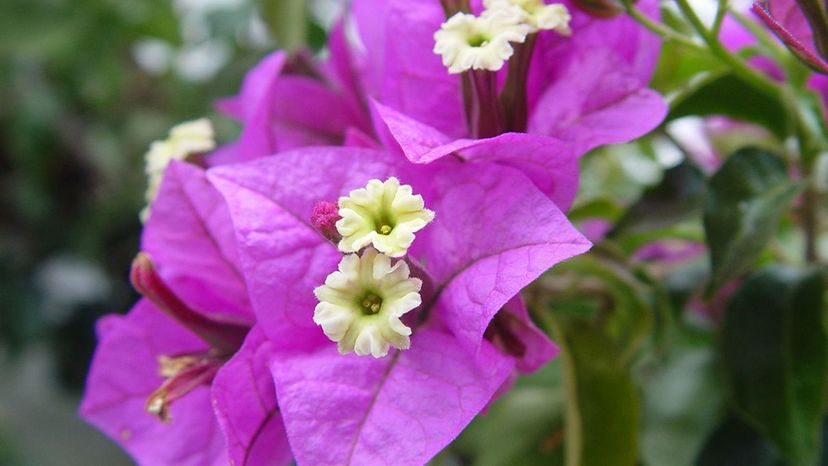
774	350
735	443
523	427
729	96
745	200
677	197
682	396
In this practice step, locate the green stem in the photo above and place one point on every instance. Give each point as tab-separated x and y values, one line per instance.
286	20
574	426
810	223
739	67
720	14
660	29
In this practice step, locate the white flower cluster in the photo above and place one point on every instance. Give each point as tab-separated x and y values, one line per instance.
361	304
469	42
191	137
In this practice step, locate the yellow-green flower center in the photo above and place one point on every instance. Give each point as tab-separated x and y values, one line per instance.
371	304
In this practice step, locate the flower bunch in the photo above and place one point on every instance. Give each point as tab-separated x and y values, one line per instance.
375	203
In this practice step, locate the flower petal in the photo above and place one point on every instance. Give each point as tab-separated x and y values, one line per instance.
493	235
125	372
549	163
598	100
191	236
244	400
401	409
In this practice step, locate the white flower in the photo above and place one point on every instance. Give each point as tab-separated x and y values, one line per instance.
360	305
383	214
481	42
536	14
191	137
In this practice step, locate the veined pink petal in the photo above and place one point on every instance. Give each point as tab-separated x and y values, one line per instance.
190	235
548	162
244	400
125	372
599	100
493	235
401	409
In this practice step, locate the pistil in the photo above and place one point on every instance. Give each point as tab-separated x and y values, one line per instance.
183	374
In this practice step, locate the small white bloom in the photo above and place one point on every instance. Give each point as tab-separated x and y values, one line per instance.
360	305
383	214
537	14
481	42
192	137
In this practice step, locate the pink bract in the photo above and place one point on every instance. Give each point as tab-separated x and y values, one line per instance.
493	234
190	237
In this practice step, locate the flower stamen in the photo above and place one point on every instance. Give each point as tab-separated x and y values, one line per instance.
183	374
371	304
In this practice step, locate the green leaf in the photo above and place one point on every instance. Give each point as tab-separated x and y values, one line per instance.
682	399
677	197
735	443
678	64
729	96
286	20
745	200
600	207
621	304
523	427
602	407
774	351
598	349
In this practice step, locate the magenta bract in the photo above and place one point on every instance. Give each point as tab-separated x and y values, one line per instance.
190	238
494	233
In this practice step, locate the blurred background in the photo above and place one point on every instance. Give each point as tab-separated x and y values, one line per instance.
85	86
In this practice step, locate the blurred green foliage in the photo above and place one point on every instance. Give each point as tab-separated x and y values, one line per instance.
77	112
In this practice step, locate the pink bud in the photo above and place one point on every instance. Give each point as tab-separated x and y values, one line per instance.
324	217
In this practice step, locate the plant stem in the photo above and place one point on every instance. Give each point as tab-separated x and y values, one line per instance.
660	29
739	67
810	223
720	14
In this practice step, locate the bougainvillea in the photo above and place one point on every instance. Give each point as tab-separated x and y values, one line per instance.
385	250
189	341
493	232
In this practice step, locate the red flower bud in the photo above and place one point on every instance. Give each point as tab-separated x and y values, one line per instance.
324	217
222	335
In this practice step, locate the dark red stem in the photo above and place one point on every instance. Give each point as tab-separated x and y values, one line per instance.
486	113
794	45
513	98
224	336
